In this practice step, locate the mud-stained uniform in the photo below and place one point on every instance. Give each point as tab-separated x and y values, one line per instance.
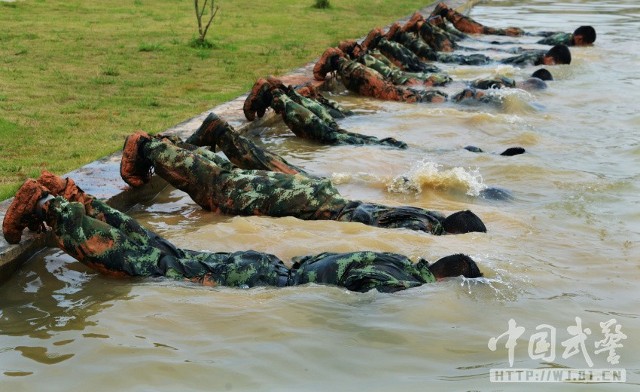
127	249
436	38
557	39
399	77
242	192
256	192
470	26
401	56
305	124
370	83
242	152
314	106
529	57
424	51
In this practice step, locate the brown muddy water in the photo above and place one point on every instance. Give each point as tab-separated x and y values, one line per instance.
566	246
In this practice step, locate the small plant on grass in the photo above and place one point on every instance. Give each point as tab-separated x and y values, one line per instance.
149	47
201	41
322	4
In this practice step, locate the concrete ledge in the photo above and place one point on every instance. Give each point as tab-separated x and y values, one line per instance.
102	179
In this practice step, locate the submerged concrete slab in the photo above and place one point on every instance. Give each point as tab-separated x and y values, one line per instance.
102	179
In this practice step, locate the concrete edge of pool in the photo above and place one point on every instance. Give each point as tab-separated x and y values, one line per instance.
101	178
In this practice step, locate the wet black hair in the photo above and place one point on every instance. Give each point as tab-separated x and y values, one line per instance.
495	194
560	53
463	222
542	74
511	151
588	34
455	265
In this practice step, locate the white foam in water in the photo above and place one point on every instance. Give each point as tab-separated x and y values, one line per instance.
425	174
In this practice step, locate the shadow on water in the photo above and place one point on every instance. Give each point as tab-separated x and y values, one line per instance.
49	295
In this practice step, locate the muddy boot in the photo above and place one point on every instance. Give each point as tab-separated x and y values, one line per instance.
23	211
351	48
413	24
440	10
64	187
258	101
326	63
209	132
393	30
135	169
371	40
277	83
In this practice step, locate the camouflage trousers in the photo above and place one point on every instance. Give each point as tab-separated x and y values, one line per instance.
365	81
115	244
241	151
235	191
306	124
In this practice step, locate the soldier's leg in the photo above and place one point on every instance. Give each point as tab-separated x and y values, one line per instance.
235	192
307	125
97	209
98	244
302	121
314	106
468	25
184	169
245	154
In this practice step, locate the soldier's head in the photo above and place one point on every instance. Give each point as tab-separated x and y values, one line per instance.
584	35
463	222
542	74
559	54
455	265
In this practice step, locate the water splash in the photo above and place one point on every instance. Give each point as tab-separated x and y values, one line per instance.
425	174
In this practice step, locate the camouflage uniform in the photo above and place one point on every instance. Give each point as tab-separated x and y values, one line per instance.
529	57
558	39
401	56
362	271
241	151
256	192
424	51
436	38
314	106
123	250
241	192
307	125
498	82
399	77
470	26
370	83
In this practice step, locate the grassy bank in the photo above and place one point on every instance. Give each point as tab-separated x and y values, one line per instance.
76	77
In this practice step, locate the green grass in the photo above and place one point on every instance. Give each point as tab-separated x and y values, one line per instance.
76	76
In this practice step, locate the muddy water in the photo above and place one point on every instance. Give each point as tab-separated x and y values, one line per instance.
565	247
